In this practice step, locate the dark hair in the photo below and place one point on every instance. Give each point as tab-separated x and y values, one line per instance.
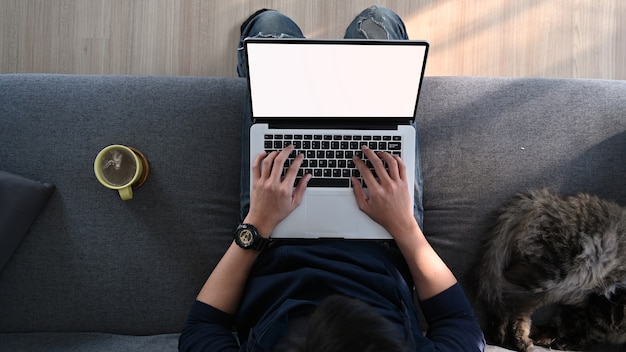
343	324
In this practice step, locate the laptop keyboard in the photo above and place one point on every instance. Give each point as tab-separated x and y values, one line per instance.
329	157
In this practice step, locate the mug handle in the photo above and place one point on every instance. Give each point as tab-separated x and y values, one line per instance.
126	193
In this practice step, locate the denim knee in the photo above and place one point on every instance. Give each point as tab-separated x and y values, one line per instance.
377	22
266	24
272	24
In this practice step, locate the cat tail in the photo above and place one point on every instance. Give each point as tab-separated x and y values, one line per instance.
502	279
494	260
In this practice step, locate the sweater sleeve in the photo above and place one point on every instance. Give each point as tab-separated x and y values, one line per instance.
207	329
452	325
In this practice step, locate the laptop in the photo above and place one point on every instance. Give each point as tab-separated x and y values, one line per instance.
327	98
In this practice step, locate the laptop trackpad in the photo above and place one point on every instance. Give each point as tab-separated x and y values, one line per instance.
334	214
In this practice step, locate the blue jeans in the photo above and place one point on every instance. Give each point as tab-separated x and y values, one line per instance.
374	22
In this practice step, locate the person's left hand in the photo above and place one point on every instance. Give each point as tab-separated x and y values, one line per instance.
273	197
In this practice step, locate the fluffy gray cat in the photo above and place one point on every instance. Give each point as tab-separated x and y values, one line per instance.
547	249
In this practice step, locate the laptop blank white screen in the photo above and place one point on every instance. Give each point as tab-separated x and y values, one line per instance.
334	79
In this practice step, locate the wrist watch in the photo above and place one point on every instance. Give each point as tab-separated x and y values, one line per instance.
247	237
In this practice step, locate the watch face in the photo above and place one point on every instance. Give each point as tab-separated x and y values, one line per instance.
246	237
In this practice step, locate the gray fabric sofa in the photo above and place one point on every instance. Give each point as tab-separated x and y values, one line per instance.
95	273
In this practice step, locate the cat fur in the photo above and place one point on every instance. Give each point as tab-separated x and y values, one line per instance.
545	249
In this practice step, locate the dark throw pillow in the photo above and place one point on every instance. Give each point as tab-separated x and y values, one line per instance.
21	200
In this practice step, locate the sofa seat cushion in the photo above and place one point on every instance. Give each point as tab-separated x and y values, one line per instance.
86	341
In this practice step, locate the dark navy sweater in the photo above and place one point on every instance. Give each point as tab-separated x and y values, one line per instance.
293	276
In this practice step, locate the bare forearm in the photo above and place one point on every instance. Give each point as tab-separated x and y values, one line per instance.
273	198
430	274
225	285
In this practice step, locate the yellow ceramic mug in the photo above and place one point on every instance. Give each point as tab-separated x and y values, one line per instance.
118	167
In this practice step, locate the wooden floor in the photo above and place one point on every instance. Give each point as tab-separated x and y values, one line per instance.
548	38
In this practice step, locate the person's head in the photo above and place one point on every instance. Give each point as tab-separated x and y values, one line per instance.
343	324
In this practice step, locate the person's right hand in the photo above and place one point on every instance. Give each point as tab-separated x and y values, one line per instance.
387	199
389	204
